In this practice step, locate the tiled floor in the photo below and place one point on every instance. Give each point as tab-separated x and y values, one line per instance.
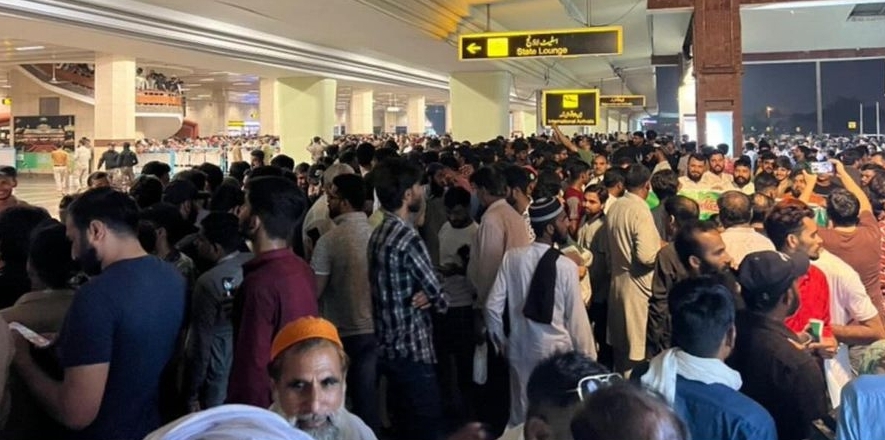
39	191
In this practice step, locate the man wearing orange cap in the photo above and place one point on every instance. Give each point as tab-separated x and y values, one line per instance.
308	370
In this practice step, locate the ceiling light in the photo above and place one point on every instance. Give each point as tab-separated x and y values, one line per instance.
206	79
242	84
807	4
393	109
24	48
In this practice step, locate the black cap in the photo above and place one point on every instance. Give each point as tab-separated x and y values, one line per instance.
765	276
8	171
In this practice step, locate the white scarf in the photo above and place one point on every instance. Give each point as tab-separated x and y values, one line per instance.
662	371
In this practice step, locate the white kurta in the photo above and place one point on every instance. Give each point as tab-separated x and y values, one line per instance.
634	245
530	342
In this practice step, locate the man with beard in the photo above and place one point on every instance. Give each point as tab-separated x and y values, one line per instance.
183	194
767	160
404	287
693	178
537	287
277	287
786	381
435	210
716	178
742	175
308	369
120	331
8	182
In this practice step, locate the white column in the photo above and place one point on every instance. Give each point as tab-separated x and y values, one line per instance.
361	106
480	105
114	98
267	106
306	108
417	113
448	117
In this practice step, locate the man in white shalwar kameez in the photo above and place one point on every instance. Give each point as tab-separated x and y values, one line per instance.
539	289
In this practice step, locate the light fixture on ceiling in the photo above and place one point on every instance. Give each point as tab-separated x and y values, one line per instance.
393	109
242	84
26	48
206	79
807	4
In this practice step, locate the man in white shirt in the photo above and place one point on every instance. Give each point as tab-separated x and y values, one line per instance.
735	214
537	287
693	178
716	178
743	177
82	159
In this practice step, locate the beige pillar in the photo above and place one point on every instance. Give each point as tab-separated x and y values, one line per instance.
449	118
390	122
306	108
480	105
267	106
114	99
361	112
417	113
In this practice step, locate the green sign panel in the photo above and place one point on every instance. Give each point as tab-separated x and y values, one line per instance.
538	44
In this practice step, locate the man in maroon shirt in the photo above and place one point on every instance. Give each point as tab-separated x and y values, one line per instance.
278	287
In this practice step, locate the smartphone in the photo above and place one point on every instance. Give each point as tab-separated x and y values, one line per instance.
823	167
30	335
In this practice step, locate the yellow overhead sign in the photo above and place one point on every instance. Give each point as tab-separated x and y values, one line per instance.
608	40
7	101
570	107
622	101
852	125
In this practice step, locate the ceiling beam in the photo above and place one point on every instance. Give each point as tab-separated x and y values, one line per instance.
771	57
661	5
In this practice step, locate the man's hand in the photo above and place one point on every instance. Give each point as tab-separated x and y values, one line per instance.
840	168
420	301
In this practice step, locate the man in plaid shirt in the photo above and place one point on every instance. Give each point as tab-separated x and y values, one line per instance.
404	289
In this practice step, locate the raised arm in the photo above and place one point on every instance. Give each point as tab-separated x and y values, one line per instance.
852	186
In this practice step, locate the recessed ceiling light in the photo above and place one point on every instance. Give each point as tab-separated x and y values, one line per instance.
206	79
24	48
242	84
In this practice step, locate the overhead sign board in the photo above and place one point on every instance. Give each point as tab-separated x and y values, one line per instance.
570	107
538	44
622	101
852	125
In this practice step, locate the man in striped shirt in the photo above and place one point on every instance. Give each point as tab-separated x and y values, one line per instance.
404	290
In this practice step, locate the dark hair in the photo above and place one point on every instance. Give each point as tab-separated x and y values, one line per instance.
575	168
156	169
223	229
843	208
456	196
167	217
278	203
687	241
785	219
850	156
385	153
391	179
744	161
365	152
637	176
665	184
599	190
96	176
258	154
113	208
683	209
735	208
702	312
195	176
302	168
490	179
517	177
554	380
627	411
765	182
226	197
549	185
613	177
783	162
265	171
766	155
700	157
283	161
762	205
213	173
352	189
147	190
238	170
50	254
16	225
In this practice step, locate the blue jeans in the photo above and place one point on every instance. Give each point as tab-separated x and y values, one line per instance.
362	377
414	399
214	390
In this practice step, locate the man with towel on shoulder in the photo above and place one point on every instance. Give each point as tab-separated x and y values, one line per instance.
535	308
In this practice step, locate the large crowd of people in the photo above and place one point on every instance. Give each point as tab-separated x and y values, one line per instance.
552	287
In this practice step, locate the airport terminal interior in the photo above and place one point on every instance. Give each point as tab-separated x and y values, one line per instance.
442	219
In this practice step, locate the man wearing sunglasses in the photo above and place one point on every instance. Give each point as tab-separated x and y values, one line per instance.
555	391
692	376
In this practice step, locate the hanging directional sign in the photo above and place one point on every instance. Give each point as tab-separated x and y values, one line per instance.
569	107
622	101
537	44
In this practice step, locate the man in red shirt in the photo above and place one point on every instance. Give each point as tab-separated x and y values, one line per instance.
578	176
792	229
278	287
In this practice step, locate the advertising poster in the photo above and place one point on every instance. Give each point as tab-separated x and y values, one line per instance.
43	134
